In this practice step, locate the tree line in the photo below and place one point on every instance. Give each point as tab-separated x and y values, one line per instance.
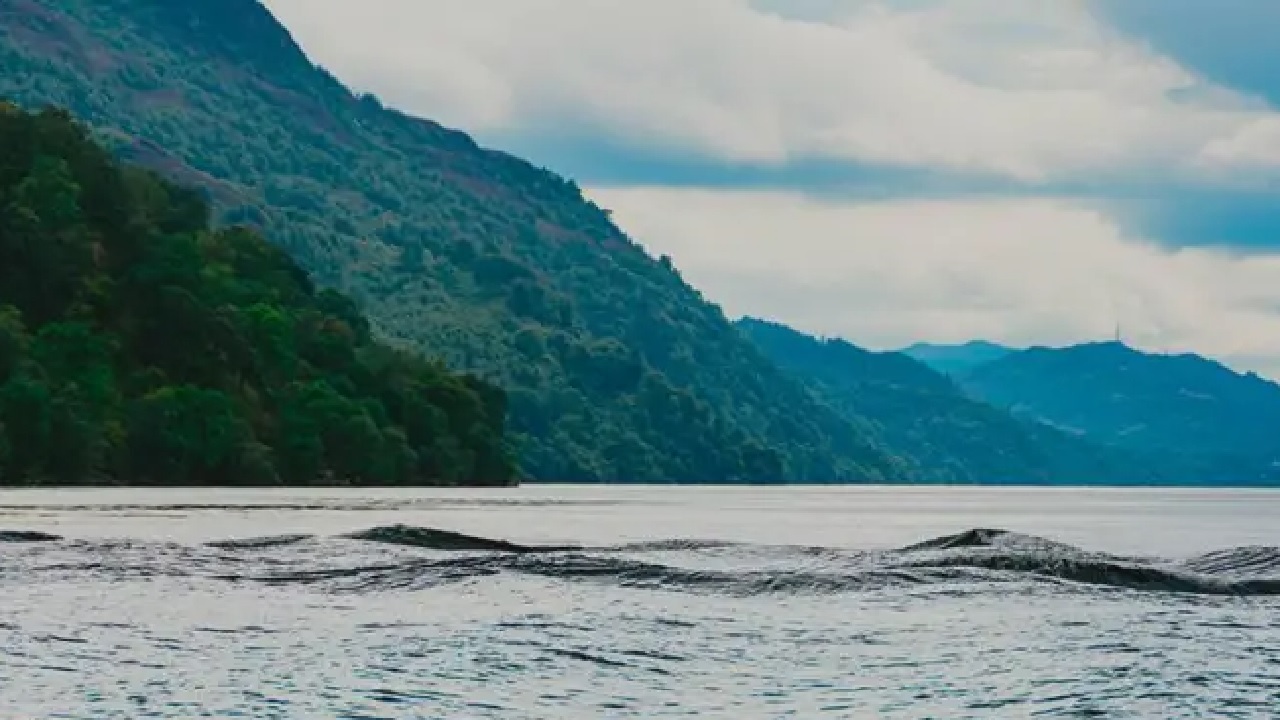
140	345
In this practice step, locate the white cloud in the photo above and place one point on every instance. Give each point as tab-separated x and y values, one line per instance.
886	274
1034	89
1254	145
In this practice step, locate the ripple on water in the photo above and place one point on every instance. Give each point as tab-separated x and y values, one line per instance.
399	621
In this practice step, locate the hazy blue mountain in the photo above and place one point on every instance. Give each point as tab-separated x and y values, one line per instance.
920	414
957	359
1212	424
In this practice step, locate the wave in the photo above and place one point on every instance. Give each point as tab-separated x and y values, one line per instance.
419	575
975	556
259	543
421	558
1236	571
422	574
1258	561
27	536
990	538
978	537
433	539
1112	573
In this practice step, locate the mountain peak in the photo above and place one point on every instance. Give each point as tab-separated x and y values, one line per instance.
244	29
1097	349
957	359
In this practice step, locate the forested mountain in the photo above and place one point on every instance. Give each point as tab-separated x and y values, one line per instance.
1212	424
922	415
138	345
615	368
957	360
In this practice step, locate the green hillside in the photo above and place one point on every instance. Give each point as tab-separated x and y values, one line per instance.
615	368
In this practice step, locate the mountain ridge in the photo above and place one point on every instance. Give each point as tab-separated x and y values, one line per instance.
922	414
616	368
957	359
1212	422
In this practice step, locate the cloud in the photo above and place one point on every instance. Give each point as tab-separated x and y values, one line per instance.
1231	42
1254	145
1021	271
1034	91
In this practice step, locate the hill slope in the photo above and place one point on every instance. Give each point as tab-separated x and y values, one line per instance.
921	414
616	369
1211	423
957	359
137	345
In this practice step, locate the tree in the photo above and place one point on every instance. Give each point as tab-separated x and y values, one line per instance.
13	341
186	435
26	413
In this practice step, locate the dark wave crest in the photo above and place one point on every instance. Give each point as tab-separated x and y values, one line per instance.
979	537
259	543
26	536
991	538
407	558
432	539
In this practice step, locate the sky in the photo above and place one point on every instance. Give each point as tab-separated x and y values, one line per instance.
886	171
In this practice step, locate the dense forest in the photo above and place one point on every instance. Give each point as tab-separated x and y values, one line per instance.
925	416
615	368
139	345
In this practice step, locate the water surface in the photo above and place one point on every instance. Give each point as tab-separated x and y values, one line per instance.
640	602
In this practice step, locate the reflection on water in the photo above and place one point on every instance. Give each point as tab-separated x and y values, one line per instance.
639	602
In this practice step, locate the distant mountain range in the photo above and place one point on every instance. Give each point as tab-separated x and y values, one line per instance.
926	417
1183	418
1210	423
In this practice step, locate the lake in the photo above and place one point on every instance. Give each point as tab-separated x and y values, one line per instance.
645	602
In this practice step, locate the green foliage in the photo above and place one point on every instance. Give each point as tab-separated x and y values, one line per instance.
26	413
187	435
13	341
617	369
138	345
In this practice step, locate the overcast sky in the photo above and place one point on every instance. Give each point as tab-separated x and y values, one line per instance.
886	170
